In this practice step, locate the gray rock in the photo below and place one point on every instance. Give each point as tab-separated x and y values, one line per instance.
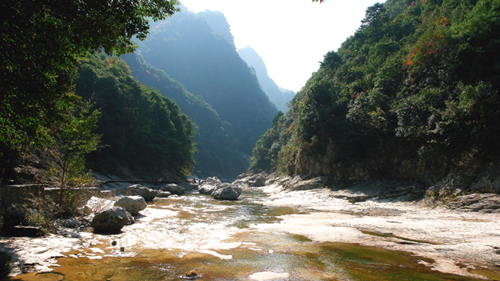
257	181
133	204
147	193
111	220
163	194
209	185
226	191
477	202
314	183
174	189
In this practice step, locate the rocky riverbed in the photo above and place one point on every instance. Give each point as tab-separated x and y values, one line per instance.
459	236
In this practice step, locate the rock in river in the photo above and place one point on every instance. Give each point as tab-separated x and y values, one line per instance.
226	191
147	193
209	185
111	220
174	189
133	204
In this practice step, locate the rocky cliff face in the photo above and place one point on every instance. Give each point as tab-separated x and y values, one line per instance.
441	180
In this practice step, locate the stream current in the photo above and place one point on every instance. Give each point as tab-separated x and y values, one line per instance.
220	240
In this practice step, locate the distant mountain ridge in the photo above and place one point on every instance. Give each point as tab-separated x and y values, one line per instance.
277	95
207	64
218	23
217	152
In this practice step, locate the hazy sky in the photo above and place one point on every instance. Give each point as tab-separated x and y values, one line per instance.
292	36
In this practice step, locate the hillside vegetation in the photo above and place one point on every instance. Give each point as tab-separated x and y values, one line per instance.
43	42
217	150
413	94
143	132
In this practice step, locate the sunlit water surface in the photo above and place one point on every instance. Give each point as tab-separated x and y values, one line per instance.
196	232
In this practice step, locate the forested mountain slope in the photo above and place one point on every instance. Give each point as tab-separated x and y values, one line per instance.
218	23
144	134
217	150
207	64
273	91
413	94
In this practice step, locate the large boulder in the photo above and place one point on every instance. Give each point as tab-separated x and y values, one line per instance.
111	220
174	189
209	185
226	191
147	193
133	204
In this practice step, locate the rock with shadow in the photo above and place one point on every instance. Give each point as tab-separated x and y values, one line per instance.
209	185
111	220
226	191
173	189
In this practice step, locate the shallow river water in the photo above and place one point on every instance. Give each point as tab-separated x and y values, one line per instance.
220	240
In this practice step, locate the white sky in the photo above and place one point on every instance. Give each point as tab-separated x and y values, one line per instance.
291	36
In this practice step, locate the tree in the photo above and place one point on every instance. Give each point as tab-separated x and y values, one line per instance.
73	140
41	43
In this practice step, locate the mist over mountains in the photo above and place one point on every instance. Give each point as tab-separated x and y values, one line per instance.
277	95
191	58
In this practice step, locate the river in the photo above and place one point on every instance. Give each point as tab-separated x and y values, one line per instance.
271	235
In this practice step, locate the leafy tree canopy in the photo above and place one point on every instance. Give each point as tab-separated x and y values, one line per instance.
41	43
414	93
143	131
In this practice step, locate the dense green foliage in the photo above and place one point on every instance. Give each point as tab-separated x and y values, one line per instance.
189	51
39	50
143	130
217	150
75	138
412	94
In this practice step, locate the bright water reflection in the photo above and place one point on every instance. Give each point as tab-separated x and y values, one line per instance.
212	237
